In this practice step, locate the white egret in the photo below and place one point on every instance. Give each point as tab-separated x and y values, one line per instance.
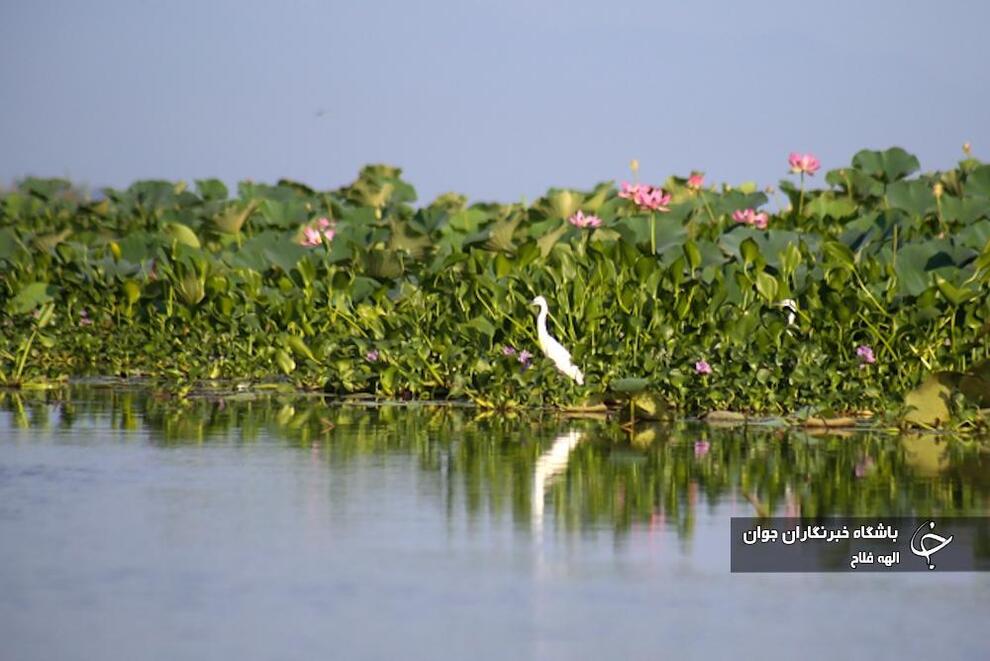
553	349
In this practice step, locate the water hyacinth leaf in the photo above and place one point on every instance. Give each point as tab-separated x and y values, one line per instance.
840	254
32	296
285	362
483	326
503	266
888	166
46	314
767	286
47	242
9	243
749	250
362	287
693	254
789	258
296	345
190	285
955	295
132	291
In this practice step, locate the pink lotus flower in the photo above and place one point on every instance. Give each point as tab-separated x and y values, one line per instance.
313	235
583	221
645	196
701	448
653	199
865	354
803	163
630	191
702	367
696	181
751	217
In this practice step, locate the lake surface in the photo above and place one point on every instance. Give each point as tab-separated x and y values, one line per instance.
134	526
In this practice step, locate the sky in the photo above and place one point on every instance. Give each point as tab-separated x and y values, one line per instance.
498	100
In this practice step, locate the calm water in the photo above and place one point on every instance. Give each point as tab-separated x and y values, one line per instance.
135	527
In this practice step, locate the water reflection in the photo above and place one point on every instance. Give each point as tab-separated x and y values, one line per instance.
541	470
550	463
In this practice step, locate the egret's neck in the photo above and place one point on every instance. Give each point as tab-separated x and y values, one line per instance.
541	321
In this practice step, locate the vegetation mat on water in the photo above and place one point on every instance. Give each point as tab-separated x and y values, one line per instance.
847	299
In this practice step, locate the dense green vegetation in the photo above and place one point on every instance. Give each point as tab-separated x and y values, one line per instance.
888	270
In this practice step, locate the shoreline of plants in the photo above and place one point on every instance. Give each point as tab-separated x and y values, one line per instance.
869	293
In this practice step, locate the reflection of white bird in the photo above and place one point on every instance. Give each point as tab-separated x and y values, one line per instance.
553	349
551	463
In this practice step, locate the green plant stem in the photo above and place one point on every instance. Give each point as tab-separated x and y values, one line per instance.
800	210
708	208
653	233
24	355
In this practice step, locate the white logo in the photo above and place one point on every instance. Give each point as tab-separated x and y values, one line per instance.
924	551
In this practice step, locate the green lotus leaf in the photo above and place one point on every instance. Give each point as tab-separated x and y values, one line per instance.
888	166
629	385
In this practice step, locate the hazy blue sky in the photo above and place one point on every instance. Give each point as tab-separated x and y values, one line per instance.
495	99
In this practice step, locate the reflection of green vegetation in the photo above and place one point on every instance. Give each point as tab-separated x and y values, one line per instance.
489	461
